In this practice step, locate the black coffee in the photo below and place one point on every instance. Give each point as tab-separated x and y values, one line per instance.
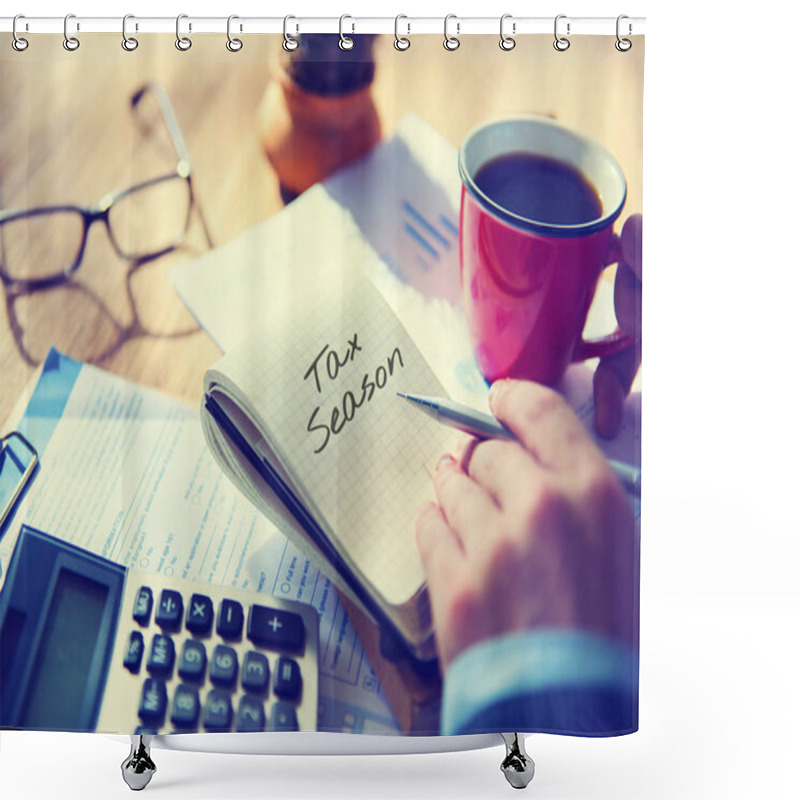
539	188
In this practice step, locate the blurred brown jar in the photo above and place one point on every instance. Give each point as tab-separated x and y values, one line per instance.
318	113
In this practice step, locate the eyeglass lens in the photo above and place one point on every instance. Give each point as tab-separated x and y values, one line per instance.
41	246
147	220
151	218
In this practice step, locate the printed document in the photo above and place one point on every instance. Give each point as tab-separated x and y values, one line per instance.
124	472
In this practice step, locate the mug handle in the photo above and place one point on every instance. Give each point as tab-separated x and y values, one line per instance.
612	343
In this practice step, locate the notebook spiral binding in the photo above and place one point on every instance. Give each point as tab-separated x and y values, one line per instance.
451	41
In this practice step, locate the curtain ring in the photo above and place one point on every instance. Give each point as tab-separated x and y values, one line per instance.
129	43
71	43
290	44
623	45
18	43
345	42
507	42
400	42
451	42
182	42
233	44
561	43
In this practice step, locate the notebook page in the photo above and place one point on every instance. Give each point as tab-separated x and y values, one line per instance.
321	369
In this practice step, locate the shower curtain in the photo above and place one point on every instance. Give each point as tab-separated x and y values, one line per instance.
219	515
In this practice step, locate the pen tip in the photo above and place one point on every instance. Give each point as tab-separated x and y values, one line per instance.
400	394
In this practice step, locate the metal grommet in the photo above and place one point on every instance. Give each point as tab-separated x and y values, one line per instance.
233	44
561	43
129	43
623	45
71	43
183	43
18	43
345	42
451	42
289	42
400	42
507	42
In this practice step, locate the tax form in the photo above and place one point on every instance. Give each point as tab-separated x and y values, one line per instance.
125	473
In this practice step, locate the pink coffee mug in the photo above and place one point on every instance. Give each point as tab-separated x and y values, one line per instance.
526	284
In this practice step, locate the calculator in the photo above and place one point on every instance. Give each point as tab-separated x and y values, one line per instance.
86	644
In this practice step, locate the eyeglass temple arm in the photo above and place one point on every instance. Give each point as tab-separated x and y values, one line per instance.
178	142
168	114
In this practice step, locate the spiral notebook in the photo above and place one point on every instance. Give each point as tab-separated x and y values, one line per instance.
304	416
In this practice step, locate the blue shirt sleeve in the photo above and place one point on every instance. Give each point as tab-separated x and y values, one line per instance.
565	682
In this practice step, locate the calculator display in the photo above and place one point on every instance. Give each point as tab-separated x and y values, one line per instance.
66	649
59	608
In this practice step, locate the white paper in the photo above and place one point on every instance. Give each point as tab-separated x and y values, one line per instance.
126	474
403	199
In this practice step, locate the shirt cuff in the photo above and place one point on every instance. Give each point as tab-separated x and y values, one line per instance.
530	663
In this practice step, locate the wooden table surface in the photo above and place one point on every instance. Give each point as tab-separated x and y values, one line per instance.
67	135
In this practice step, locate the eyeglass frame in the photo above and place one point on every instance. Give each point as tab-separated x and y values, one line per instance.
100	211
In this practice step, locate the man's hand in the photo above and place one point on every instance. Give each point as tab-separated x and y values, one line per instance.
527	534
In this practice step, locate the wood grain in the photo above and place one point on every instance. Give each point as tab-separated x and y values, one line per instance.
67	135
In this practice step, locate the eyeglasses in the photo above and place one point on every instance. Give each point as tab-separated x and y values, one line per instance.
44	246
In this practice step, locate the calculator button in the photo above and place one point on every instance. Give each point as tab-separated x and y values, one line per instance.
133	657
192	666
230	620
218	711
153	703
279	630
288	683
162	656
200	615
143	606
224	666
283	717
255	672
170	610
250	717
185	707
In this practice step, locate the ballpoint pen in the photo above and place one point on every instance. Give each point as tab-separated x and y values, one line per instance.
485	426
